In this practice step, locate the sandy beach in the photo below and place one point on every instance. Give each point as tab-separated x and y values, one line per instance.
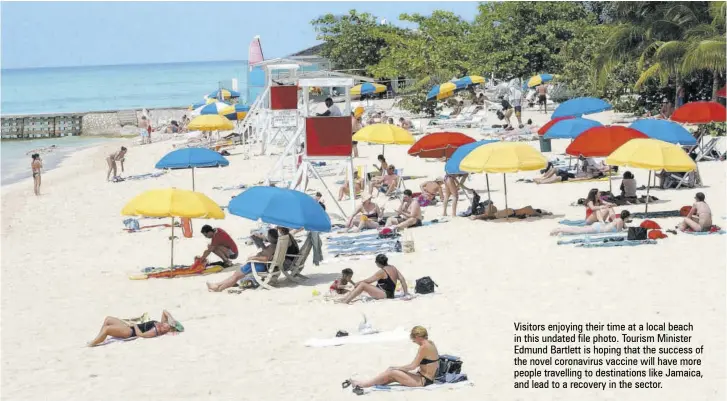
66	262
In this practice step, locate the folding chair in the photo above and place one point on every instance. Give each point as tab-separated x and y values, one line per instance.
270	276
292	272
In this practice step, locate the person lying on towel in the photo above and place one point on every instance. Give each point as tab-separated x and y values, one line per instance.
408	215
424	365
385	278
699	217
386	183
222	245
257	261
618	224
120	328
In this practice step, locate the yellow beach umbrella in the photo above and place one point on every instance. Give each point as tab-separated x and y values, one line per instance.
367	88
172	202
503	157
442	91
652	155
210	122
384	134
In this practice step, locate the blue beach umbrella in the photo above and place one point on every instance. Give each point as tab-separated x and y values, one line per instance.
282	207
571	128
665	130
226	94
191	158
452	165
580	106
212	108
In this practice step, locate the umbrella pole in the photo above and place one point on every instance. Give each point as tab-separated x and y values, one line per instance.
647	194
382	149
171	262
487	178
192	178
504	180
610	189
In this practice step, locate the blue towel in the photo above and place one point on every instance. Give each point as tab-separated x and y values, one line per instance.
590	239
620	243
705	232
573	223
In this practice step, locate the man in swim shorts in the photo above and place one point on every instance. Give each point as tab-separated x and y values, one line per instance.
409	213
542	91
222	245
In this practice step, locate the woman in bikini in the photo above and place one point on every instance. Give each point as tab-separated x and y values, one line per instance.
385	280
119	328
370	215
617	225
35	165
426	363
451	188
598	210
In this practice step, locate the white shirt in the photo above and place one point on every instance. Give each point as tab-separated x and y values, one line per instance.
335	111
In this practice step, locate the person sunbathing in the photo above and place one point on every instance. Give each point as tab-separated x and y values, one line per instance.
385	278
387	183
598	210
425	365
618	224
431	189
115	327
258	261
344	190
699	217
408	215
593	169
486	211
370	215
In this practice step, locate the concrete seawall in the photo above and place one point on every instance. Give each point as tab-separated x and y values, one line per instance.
100	123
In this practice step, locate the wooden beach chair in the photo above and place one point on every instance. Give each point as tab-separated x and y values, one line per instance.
269	277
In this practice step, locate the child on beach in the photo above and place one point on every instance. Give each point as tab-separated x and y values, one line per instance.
35	165
344	284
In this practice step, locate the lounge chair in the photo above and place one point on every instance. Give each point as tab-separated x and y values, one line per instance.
292	271
274	266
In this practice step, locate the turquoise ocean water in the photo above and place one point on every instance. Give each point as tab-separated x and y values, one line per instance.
95	88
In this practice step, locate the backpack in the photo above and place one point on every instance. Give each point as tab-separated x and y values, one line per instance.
424	285
448	364
636	234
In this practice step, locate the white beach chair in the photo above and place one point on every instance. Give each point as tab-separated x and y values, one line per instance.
292	271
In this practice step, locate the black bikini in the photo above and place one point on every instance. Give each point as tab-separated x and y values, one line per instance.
387	285
425	361
144	327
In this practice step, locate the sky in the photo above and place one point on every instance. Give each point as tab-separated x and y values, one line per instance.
53	34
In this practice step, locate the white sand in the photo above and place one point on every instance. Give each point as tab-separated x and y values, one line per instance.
66	261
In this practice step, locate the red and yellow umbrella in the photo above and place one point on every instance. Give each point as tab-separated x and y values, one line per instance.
552	122
700	113
439	144
602	141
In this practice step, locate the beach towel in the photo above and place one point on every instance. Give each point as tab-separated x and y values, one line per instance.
655	215
712	230
113	340
232	188
139	177
619	243
595	238
398	334
463	382
197	268
573	223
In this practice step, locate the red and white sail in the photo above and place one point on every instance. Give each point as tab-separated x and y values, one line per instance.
255	52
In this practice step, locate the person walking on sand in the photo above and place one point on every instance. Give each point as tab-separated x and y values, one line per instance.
542	91
35	165
112	159
699	217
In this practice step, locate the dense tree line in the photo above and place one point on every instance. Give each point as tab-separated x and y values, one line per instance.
603	49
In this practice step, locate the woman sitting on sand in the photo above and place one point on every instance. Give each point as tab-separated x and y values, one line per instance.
385	280
343	190
426	363
628	186
598	210
618	224
119	328
264	255
370	215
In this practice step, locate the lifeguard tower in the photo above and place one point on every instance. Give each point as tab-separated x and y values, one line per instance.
282	120
327	139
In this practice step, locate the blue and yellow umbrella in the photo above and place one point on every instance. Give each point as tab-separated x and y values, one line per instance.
200	104
442	91
469	80
235	112
226	94
211	108
539	79
367	88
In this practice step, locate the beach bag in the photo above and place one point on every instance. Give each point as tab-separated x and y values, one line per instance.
500	115
424	285
131	224
448	365
636	234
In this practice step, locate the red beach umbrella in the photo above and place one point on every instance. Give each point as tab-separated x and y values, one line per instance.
439	144
602	141
722	92
700	113
552	122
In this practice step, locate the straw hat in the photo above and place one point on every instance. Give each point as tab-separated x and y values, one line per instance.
366	197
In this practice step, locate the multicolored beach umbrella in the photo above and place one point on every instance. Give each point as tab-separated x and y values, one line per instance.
469	80
200	104
226	94
442	91
235	112
536	80
212	108
367	88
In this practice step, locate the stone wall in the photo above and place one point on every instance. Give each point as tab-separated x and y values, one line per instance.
107	123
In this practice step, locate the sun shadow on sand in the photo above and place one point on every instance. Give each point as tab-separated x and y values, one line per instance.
313	280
